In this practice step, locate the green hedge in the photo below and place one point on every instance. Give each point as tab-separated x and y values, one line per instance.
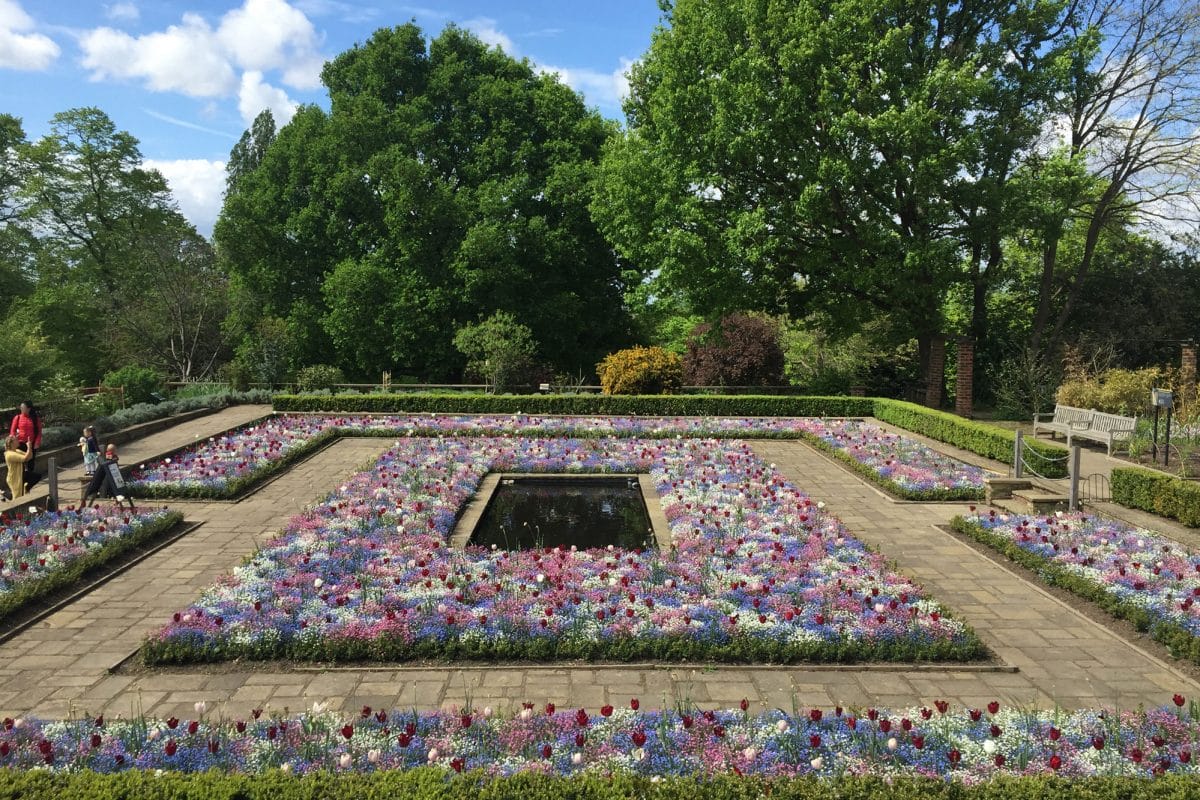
1177	639
434	784
1157	493
632	405
982	439
71	574
979	438
741	650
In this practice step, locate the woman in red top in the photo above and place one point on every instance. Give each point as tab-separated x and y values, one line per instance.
27	427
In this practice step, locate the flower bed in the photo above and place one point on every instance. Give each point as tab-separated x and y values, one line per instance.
968	746
229	464
899	464
756	572
1150	580
48	551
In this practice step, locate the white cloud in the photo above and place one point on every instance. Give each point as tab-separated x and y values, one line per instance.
198	60
197	184
485	28
255	95
605	89
122	12
19	48
270	34
180	59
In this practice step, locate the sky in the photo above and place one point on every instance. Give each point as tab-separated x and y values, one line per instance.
186	77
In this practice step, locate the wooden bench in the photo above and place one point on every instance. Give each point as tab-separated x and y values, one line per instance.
1067	420
1108	429
1082	423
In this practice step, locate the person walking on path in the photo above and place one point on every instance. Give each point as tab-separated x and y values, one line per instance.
15	459
27	427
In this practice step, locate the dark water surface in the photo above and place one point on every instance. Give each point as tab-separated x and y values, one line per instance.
529	513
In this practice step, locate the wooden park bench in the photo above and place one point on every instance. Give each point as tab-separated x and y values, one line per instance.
1083	423
1108	429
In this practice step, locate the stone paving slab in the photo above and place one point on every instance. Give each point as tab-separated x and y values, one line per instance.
60	666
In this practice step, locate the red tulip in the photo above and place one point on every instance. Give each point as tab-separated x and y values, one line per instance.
606	710
347	731
171	747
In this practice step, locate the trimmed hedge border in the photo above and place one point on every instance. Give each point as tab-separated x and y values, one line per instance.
979	438
583	404
1179	641
668	649
433	784
71	574
1157	493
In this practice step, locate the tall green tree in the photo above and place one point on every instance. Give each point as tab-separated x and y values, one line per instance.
823	155
448	181
108	247
16	240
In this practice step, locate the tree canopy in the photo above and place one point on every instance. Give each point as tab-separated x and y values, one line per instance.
448	181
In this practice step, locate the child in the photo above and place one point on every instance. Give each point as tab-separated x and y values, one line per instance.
90	448
15	459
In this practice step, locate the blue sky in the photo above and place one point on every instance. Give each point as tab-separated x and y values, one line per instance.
186	76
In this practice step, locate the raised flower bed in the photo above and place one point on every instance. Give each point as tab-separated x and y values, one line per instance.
1152	581
44	552
901	465
962	745
231	463
756	571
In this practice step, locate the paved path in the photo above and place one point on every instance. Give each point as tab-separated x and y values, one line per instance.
62	665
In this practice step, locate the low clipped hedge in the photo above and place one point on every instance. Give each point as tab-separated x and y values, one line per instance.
434	784
583	404
1177	639
1157	493
979	438
982	439
742	650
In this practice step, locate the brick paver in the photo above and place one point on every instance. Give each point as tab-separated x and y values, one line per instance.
1060	656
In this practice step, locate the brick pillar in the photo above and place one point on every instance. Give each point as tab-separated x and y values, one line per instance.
937	372
1188	370
964	394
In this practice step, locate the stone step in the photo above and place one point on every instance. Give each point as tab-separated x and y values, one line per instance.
1001	487
1040	501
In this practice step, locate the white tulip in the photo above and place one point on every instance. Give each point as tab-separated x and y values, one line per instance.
200	706
989	746
817	762
782	726
577	758
892	744
433	755
345	761
373	756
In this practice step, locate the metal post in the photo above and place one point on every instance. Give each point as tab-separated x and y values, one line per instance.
52	484
1167	439
1073	504
1017	444
1154	444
